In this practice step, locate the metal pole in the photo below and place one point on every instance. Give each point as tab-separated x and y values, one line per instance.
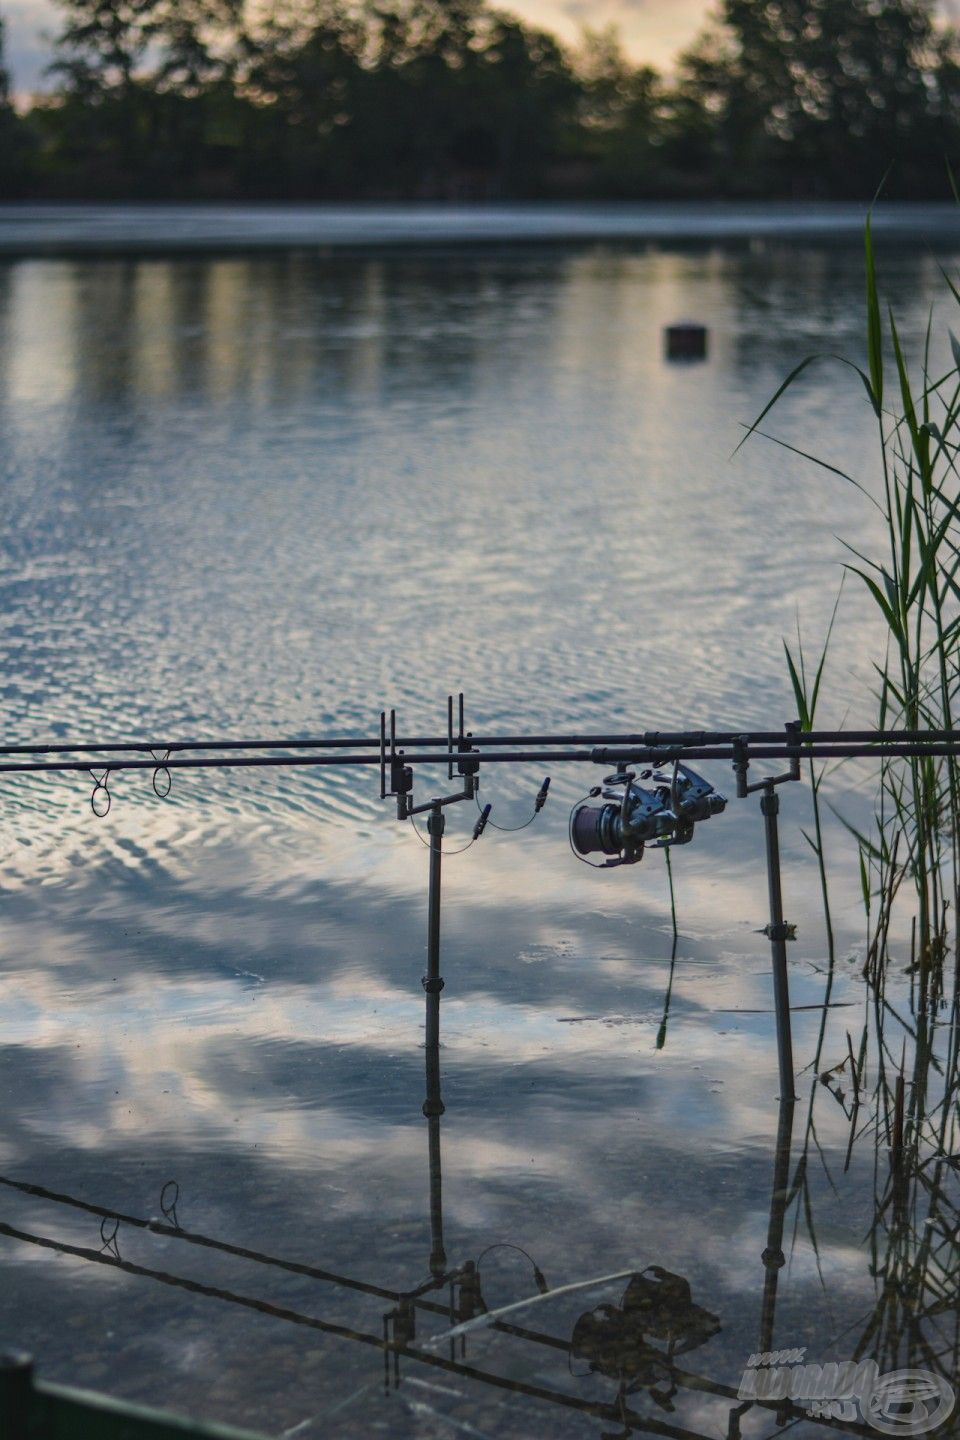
777	931
432	982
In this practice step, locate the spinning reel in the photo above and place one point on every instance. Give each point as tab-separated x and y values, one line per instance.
633	817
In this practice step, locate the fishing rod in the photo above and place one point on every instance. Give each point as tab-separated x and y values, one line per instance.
651	739
634	809
597	755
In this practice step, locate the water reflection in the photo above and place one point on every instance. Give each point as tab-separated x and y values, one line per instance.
635	1348
634	1343
537	1342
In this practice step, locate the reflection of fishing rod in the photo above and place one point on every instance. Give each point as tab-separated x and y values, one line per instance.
612	1339
343	1332
607	1337
620	1412
176	1232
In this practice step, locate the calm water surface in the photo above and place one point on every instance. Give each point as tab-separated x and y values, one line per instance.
252	495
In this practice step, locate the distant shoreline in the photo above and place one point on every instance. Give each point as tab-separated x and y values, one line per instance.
59	228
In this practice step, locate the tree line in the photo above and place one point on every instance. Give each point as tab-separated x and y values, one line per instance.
456	99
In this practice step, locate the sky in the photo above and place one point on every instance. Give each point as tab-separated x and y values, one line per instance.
653	30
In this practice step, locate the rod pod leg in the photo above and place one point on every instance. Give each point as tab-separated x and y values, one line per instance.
432	981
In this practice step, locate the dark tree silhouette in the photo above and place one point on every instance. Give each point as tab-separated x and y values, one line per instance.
456	99
818	96
15	150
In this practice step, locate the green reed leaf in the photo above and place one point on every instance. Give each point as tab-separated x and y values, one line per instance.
800	699
794	375
888	611
919	437
864	883
874	328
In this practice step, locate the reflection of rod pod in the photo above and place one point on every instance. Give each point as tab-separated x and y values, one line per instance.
773	1256
400	1321
778	931
656	1305
433	1108
432	981
433	984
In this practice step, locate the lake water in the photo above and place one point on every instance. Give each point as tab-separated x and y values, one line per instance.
268	494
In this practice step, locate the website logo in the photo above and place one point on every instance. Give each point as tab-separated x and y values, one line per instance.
903	1402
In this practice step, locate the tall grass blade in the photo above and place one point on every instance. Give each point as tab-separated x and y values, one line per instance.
794	375
874	329
919	437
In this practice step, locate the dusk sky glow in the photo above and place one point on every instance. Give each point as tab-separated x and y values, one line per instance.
652	30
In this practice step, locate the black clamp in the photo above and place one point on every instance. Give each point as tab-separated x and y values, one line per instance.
432	987
404	1324
769	800
436	820
401	782
464	748
401	774
783	931
470	1301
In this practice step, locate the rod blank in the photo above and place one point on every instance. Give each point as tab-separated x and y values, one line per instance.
882	746
649	739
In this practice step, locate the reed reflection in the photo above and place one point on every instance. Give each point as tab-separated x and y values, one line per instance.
896	1090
